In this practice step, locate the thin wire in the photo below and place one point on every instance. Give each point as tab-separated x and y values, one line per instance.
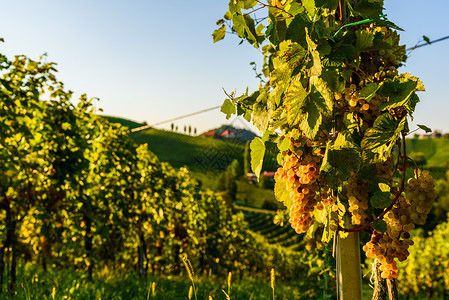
174	119
426	44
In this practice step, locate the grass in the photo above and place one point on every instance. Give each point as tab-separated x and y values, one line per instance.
436	151
69	284
195	152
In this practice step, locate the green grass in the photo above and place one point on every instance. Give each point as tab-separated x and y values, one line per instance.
195	152
69	284
436	151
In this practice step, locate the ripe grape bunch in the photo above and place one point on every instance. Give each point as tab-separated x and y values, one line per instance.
300	171
406	212
357	193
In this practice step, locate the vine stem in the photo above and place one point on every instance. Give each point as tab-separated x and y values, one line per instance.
393	202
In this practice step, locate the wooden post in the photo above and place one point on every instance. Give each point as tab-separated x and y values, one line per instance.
349	275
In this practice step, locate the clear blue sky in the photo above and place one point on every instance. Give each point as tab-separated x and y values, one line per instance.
155	60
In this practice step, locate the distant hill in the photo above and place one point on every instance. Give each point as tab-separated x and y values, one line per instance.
242	134
206	154
195	152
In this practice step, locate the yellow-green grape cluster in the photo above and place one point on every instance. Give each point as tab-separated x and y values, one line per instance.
406	212
383	248
420	192
349	99
300	171
394	243
357	191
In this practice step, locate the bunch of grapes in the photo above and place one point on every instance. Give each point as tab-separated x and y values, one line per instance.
406	212
357	191
420	192
300	171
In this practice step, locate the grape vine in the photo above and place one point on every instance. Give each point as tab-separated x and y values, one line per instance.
338	109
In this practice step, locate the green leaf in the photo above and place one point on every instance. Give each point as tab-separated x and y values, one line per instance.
371	9
381	138
309	5
327	98
332	79
364	39
247	116
317	67
342	157
257	147
425	128
271	34
368	91
380	226
296	30
380	199
311	123
331	224
384	187
245	27
294	102
228	15
399	91
219	34
282	193
284	145
261	116
331	4
228	108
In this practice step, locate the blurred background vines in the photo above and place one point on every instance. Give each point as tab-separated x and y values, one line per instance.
78	195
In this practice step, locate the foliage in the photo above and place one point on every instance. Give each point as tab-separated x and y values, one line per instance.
335	107
107	284
426	270
76	193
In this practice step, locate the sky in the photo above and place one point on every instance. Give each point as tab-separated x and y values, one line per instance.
151	61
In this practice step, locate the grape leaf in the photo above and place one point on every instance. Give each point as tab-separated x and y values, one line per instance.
398	91
311	123
326	102
294	102
380	226
364	39
425	128
261	116
317	67
219	34
309	5
380	199
257	147
228	108
368	91
284	145
282	194
380	139
342	157
369	8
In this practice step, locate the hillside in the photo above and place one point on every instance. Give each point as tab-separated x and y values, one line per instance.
435	150
194	152
206	156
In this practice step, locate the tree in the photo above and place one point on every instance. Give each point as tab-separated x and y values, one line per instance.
190	129
172	125
336	107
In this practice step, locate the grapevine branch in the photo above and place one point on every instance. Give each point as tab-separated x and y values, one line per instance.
393	202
